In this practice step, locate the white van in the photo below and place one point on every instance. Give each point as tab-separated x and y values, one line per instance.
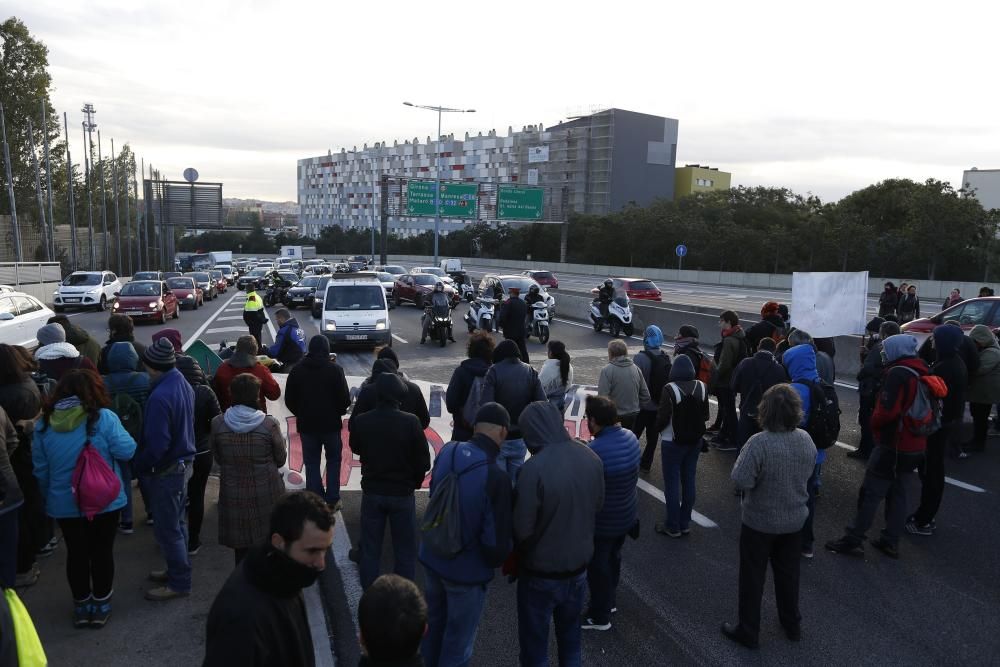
355	310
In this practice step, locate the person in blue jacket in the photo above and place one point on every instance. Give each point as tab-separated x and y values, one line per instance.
290	342
618	449
78	413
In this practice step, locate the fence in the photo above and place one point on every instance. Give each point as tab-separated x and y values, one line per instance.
104	255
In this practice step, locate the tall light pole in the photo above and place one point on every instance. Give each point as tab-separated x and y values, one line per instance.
437	169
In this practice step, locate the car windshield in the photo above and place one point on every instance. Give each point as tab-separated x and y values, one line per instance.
146	275
434	270
354	297
642	285
544	275
215	274
424	279
311	281
201	277
385	277
180	283
145	288
172	274
81	279
392	268
523	284
288	275
257	273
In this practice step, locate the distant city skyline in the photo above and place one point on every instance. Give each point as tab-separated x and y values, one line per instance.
819	99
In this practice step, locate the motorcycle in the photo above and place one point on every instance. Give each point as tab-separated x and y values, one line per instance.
539	323
275	294
440	323
480	314
619	317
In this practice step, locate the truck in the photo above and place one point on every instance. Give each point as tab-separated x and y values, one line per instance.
221	257
451	265
298	251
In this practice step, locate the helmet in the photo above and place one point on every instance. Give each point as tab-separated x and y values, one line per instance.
533	289
439	286
609	283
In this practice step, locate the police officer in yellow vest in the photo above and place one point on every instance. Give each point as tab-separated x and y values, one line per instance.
254	314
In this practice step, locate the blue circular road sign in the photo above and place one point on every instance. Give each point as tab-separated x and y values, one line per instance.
681	250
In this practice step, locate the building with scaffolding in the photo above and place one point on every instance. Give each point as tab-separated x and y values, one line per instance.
594	164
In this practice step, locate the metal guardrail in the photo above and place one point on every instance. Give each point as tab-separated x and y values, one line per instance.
29	273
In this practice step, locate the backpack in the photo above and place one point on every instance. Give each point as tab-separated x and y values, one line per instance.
45	384
686	416
95	485
473	401
923	417
129	412
442	524
707	371
659	374
823	424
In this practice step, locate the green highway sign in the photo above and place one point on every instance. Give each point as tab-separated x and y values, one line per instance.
458	200
518	203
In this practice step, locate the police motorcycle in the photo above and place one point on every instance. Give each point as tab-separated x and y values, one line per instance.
619	317
480	314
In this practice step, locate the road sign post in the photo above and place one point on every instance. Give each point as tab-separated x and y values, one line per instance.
681	251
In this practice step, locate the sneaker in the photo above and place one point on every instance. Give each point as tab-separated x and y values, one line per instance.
685	531
159	576
100	613
807	552
663	530
614	610
82	613
25	579
714	428
149	520
164	593
47	550
914	528
194	548
886	547
126	528
735	633
846	545
591	624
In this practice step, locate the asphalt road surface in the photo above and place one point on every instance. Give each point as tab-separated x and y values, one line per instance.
938	605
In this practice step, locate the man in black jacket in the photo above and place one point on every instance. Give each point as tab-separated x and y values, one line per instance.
317	394
394	459
259	618
512	319
869	384
480	355
752	377
367	398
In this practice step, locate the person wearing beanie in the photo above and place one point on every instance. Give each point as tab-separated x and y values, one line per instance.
244	360
456	587
317	394
367	397
78	338
55	356
479	353
395	458
770	326
188	366
984	385
121	330
654	364
753	376
898	453
165	462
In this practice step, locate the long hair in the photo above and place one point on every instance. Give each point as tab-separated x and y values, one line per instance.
15	364
557	349
87	386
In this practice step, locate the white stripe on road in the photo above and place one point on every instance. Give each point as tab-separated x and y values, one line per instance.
206	324
398	338
230	317
226	329
349	575
697	517
322	651
964	485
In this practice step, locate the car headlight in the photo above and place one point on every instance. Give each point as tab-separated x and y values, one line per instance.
94	291
380	325
153	304
331	325
189	297
116	306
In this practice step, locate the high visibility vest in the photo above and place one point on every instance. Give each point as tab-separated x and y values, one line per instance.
253	304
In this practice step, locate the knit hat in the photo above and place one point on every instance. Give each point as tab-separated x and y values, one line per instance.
319	346
493	413
682	369
652	338
160	355
687	331
172	335
769	308
51	333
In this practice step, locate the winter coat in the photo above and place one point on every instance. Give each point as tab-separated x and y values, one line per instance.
887	302
984	382
56	448
552	384
83	342
57	359
367	398
690	349
755	375
618	449
21	400
771	327
317	394
459	387
644	363
167	424
10	491
121	377
513	384
289	343
733	349
870	376
269	389
191	370
622	382
908	308
899	388
513	318
950	368
102	361
772	470
682	374
250	450
393	450
951	301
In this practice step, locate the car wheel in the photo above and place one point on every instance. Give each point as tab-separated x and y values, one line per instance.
102	304
615	329
419	301
543	336
177	312
396	300
163	316
58	309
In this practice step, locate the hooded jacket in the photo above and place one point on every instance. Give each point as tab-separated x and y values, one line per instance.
57	446
11	496
511	383
82	341
413	403
950	368
899	388
800	362
167	424
57	359
138	348
755	375
652	341
560	490
984	382
683	375
459	387
239	363
732	350
121	377
289	343
888	301
317	393
622	382
618	449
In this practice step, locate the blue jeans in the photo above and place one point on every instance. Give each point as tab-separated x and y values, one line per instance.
453	613
511	457
540	601
401	513
680	463
603	574
167	495
314	444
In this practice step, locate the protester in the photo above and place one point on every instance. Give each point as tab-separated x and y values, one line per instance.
953	299
899	452
244	360
618	449
456	587
186	364
622	382
869	386
729	352
772	470
165	460
770	326
512	319
255	317
680	423
752	377
317	394
984	385
11	499
558	495
479	353
367	398
513	384
259	617
556	375
78	338
909	305
121	329
985	291
394	460
686	343
206	409
654	364
290	342
55	356
888	300
392	619
250	450
76	414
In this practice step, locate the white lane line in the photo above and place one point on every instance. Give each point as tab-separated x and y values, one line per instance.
349	574
401	340
191	339
696	516
322	651
225	329
965	485
230	317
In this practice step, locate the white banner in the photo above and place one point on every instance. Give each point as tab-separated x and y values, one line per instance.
532	177
826	304
538	154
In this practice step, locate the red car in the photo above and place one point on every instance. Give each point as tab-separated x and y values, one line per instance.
969	313
147	299
544	278
187	292
639	288
416	288
221	284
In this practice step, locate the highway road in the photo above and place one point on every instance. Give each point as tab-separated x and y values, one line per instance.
936	605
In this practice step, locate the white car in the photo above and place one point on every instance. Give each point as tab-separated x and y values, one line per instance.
21	316
86	289
388	283
355	311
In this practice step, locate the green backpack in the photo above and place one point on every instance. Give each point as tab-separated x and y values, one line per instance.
129	411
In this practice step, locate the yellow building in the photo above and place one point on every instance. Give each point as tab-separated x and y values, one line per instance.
692	178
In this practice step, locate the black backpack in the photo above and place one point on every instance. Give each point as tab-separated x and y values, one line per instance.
823	425
686	416
659	374
442	524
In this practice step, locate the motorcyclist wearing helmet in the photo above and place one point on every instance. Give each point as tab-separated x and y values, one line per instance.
534	296
605	294
438	300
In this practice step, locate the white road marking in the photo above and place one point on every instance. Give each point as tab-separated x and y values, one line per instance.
191	339
226	330
349	574
399	339
697	517
964	485
230	317
322	651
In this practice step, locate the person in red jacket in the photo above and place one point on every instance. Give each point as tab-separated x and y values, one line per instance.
900	451
244	360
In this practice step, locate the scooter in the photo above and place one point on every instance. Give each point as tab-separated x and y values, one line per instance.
440	323
539	322
480	314
619	317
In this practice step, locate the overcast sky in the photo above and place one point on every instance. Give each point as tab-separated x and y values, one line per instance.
820	97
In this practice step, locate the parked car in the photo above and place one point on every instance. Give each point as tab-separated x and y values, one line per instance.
86	289
227	271
357	262
434	271
21	316
186	290
545	278
638	288
969	313
253	277
488	284
302	292
170	274
415	288
388	282
221	284
148	275
392	269
318	295
147	299
206	283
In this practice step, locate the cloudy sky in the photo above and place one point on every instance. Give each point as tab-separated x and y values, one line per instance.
779	93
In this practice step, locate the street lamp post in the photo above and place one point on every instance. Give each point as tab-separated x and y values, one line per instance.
437	169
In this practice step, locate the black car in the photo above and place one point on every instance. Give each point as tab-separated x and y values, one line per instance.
357	262
301	293
318	294
254	277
